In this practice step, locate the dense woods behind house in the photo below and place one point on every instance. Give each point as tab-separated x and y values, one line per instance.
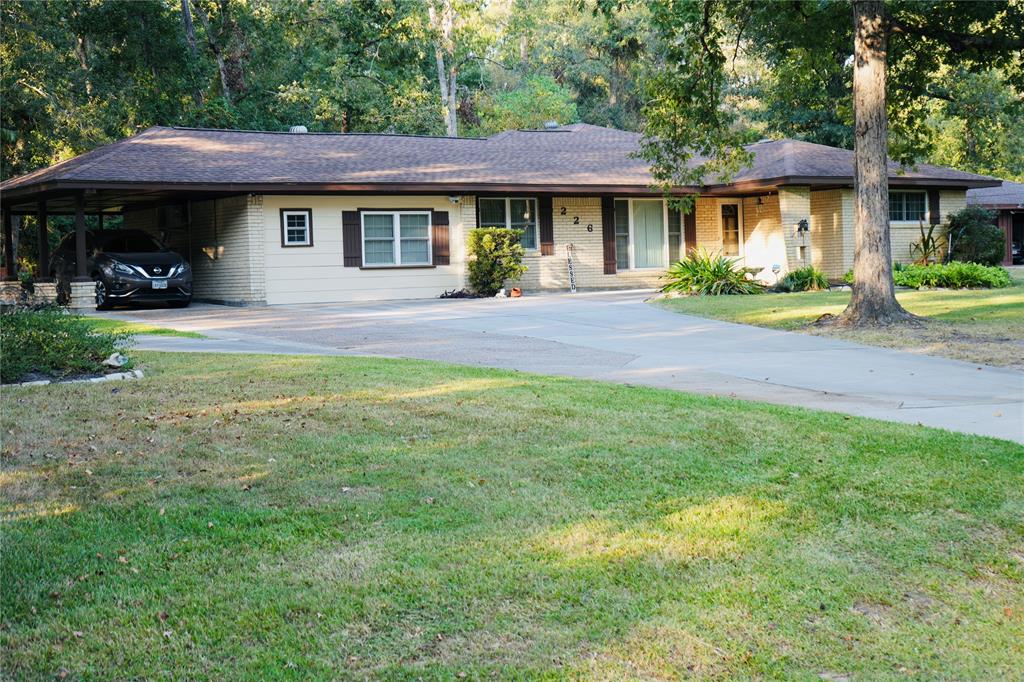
78	74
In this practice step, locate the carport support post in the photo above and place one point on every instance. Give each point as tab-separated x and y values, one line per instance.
44	243
80	255
9	256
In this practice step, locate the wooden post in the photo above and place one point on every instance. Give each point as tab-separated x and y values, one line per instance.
81	273
10	260
44	242
1005	221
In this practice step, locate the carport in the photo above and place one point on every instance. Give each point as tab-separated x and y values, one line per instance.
42	198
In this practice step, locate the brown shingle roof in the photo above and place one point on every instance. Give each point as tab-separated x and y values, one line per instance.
1008	194
573	156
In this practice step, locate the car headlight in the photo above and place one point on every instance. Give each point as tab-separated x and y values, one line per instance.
183	269
113	266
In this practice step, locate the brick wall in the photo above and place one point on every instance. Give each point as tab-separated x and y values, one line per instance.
552	272
709	230
828	233
225	246
227	250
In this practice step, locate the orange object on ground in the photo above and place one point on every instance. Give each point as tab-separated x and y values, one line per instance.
516	292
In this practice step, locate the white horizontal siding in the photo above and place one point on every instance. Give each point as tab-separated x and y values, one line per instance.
316	274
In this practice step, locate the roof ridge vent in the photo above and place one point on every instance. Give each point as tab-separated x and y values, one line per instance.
298	129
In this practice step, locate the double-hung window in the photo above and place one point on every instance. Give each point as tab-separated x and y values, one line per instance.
396	238
907	206
511	212
296	227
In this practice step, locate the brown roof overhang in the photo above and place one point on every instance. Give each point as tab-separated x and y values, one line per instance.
57	188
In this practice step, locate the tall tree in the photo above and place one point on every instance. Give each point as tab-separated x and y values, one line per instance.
904	50
442	21
874	297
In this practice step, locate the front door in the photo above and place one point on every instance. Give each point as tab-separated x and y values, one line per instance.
648	234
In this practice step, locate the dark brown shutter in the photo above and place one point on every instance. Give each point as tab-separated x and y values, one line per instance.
546	223
351	239
440	248
934	215
690	229
608	233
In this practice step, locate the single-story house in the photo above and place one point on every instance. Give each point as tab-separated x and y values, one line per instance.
1007	202
268	217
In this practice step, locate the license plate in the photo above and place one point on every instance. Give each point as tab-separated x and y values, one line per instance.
159	283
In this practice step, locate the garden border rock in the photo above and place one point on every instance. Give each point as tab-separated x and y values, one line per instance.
114	376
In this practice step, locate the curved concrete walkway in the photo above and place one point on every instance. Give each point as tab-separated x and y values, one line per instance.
615	336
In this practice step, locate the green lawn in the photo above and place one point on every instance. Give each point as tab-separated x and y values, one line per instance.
113	326
977	325
243	517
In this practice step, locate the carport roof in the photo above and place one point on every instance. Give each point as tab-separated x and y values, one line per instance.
571	158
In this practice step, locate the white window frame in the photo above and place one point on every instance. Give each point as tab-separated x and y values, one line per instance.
307	215
742	237
664	237
508	216
396	250
924	217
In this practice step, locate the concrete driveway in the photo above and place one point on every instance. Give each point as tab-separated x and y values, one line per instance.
615	336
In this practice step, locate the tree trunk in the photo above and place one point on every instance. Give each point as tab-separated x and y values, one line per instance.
443	22
190	38
218	53
874	300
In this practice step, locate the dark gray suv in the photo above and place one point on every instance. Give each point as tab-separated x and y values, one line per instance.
128	266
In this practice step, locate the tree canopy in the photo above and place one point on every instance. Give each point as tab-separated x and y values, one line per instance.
79	73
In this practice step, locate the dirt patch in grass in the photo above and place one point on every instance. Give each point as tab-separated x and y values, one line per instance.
986	346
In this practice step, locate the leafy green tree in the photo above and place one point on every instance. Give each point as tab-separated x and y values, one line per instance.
977	124
535	100
897	50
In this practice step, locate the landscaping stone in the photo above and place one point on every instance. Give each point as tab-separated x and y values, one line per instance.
115	376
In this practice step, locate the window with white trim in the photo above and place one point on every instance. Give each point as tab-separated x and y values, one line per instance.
907	206
516	213
396	238
731	231
297	227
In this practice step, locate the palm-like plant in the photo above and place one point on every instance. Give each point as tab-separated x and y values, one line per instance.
709	274
807	278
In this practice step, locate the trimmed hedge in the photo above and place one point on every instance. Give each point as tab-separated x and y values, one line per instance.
51	342
954	275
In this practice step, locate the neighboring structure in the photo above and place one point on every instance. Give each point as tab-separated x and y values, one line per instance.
307	217
1007	202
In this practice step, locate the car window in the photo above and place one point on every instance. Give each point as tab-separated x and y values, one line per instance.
131	242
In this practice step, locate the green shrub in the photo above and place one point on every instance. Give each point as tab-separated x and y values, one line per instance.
975	237
955	275
52	342
709	274
495	256
808	278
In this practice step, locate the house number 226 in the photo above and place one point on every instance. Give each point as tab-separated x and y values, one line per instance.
576	219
